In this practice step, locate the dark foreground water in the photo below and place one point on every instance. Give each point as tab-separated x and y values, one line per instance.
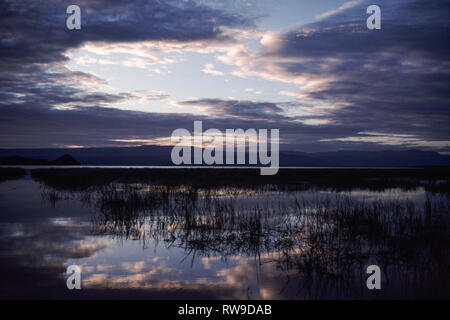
144	240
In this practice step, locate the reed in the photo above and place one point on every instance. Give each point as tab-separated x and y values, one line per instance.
323	242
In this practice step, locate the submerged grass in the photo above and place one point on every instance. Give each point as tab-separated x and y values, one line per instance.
323	241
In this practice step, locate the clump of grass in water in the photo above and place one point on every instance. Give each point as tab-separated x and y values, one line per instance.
53	196
324	242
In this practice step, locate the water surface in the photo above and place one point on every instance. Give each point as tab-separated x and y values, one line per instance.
135	240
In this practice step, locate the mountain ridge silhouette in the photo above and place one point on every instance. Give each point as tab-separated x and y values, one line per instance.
160	156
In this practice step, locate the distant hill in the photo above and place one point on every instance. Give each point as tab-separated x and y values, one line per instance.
65	160
160	156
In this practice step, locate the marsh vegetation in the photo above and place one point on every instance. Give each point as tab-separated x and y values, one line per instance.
310	225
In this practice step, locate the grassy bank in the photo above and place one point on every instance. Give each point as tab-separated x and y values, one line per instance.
432	179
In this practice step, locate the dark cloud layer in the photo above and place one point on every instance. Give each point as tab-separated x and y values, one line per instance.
394	80
35	31
34	80
244	110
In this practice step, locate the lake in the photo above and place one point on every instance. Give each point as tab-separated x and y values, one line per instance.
161	234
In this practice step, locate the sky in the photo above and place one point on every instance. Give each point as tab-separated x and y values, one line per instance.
138	70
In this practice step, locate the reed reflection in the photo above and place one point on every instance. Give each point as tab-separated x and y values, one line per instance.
277	244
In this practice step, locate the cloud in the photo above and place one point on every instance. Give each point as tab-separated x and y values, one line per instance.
406	140
36	40
209	69
393	80
39	93
349	79
244	110
345	6
251	90
33	125
38	29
